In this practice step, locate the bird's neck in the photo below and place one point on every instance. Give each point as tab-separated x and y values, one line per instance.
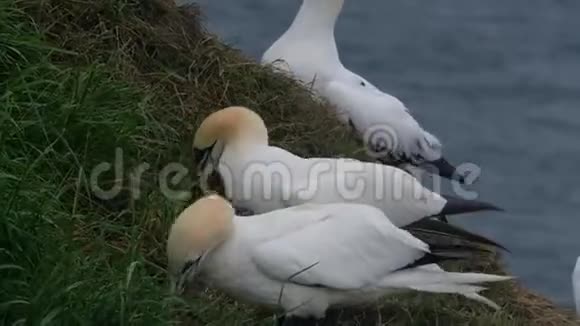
246	131
318	14
316	20
249	140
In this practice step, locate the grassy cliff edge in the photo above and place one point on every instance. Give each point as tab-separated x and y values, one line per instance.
118	86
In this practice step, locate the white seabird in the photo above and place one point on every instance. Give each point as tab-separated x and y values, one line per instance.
307	259
308	52
258	177
576	285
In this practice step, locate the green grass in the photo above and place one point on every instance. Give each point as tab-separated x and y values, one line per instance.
63	258
81	79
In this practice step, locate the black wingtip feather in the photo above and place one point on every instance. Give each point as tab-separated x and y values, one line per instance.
427	259
441	253
443	168
438	228
457	205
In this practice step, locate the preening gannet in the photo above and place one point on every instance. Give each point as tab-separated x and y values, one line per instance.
259	177
309	258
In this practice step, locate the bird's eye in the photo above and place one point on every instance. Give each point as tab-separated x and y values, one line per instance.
362	83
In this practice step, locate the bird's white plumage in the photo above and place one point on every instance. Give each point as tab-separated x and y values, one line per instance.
371	245
310	39
353	250
264	178
469	291
576	285
379	117
308	52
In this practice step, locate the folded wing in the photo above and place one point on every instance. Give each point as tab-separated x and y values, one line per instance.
345	247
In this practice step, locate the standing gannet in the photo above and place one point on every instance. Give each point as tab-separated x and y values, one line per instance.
256	176
576	285
307	50
307	259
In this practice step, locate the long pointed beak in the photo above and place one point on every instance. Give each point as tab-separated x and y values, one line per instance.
200	159
177	287
188	273
173	290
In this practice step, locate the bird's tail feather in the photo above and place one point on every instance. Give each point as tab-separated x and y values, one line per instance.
468	291
431	278
481	299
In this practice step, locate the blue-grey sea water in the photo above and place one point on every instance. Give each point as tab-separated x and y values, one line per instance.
497	81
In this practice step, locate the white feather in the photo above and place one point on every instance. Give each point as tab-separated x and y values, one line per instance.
468	291
432	278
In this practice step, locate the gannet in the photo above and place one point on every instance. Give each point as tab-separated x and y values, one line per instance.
256	176
307	51
309	258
